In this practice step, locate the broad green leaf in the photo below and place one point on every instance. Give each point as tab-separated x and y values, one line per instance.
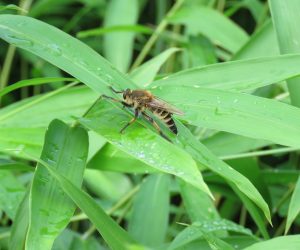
65	149
200	153
145	74
291	242
237	75
198	205
32	82
253	116
18	131
115	236
107	185
30	139
200	228
212	24
143	144
152	200
118	46
294	208
262	43
11	193
63	51
20	224
110	158
285	15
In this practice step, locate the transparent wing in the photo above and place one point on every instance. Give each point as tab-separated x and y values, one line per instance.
163	105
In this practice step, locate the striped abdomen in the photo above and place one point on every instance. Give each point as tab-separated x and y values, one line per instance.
166	117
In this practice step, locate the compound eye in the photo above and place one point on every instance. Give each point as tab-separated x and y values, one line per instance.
124	95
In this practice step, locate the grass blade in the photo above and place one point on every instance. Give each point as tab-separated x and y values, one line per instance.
20	225
50	210
237	75
152	199
211	23
32	82
285	242
120	12
145	74
115	236
294	208
253	116
285	15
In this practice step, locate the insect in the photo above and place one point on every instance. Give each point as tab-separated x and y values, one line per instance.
142	101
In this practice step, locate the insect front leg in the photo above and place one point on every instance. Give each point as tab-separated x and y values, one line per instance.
136	114
116	100
155	125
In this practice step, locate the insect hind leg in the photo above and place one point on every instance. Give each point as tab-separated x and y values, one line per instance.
155	125
136	114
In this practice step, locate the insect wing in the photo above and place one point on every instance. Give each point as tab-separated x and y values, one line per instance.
163	105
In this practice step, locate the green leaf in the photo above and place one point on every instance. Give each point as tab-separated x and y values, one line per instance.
223	144
253	116
200	228
62	50
262	43
294	207
20	224
152	199
32	82
107	185
200	153
16	130
110	158
200	51
145	74
11	193
115	236
118	46
255	213
193	199
285	15
237	75
66	151
285	242
142	143
218	28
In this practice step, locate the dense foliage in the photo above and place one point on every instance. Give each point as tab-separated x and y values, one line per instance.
228	180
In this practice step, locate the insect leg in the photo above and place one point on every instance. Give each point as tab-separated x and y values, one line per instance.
116	100
136	114
150	119
116	91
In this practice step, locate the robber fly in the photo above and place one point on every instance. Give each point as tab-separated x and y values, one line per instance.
143	100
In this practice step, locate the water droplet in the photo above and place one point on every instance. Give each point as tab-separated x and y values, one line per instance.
196	86
235	100
54	49
19	41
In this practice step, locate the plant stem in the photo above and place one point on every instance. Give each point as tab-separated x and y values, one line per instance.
259	153
163	24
